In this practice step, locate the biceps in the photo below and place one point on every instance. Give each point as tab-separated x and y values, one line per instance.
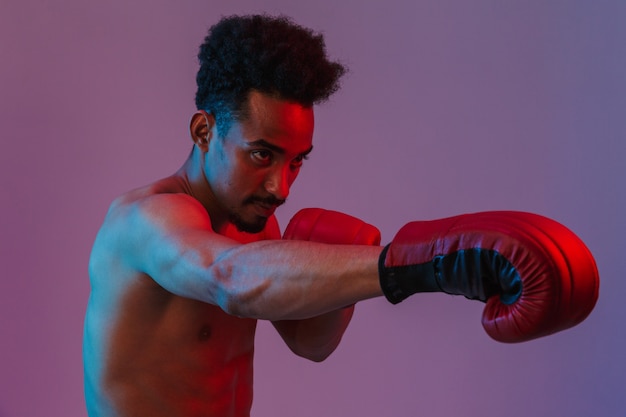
183	263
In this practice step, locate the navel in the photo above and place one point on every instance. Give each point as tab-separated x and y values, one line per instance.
205	333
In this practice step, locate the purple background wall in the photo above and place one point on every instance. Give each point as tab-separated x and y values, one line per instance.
450	107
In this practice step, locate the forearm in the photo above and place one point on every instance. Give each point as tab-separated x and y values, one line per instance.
288	280
315	338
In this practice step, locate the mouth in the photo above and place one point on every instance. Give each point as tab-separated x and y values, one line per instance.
265	207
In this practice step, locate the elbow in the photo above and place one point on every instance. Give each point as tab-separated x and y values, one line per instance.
317	353
238	288
318	356
242	304
239	298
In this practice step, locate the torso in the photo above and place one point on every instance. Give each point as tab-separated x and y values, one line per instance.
148	352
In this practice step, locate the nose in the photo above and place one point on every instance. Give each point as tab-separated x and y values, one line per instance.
279	181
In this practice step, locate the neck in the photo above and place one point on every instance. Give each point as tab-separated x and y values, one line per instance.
192	174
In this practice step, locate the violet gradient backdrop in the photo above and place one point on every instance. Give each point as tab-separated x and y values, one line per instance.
450	107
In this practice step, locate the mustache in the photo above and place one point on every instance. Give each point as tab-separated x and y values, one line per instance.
269	200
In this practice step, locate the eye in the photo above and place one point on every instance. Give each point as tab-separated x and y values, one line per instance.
298	160
261	156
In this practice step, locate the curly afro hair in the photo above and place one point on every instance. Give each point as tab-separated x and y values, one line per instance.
268	54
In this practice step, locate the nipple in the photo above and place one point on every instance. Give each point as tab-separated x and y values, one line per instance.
205	333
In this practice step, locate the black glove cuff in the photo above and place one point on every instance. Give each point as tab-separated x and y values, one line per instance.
388	280
400	282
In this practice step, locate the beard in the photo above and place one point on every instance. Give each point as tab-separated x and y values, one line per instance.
242	225
258	224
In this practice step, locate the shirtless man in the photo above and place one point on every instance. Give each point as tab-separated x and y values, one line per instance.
181	269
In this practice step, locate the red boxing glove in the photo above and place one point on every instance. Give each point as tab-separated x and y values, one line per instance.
327	226
536	276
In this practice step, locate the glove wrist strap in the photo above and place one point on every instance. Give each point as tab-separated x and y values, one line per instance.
400	282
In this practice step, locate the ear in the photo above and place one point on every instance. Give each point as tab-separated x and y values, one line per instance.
201	129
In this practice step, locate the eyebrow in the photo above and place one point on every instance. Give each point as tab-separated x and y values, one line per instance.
277	149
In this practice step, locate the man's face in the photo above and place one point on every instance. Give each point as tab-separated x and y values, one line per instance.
251	169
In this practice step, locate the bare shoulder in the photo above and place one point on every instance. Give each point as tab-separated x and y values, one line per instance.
163	203
144	219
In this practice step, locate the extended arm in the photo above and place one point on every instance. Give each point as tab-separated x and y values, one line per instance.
525	265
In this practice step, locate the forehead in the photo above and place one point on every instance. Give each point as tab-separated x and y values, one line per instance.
271	118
